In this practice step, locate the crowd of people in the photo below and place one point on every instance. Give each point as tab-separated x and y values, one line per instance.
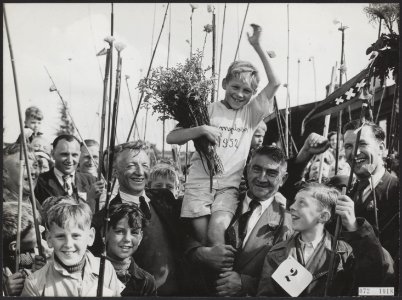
230	237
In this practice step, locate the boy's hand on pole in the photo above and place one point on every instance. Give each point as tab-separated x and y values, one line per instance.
39	262
15	284
345	208
255	38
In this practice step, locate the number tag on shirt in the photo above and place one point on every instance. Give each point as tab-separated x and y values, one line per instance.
292	277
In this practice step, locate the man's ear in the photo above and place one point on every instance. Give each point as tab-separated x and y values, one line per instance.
224	83
284	178
324	216
52	154
12	246
382	148
91	236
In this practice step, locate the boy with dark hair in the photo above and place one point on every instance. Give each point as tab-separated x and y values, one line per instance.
73	271
13	280
359	258
124	235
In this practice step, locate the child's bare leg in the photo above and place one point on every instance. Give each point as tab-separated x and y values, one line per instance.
218	223
200	228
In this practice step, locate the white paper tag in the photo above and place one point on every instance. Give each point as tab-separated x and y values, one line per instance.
292	276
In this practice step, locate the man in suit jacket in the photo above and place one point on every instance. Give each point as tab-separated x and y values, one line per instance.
63	178
260	222
386	187
270	228
160	251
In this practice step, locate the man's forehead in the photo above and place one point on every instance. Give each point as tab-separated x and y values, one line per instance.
64	144
365	134
134	155
265	162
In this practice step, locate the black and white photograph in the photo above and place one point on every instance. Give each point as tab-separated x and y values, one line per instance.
200	149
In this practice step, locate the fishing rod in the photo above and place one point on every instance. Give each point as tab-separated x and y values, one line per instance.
23	141
149	70
19	215
287	117
213	52
220	54
131	102
338	226
54	88
167	66
103	118
241	32
326	122
110	40
119	48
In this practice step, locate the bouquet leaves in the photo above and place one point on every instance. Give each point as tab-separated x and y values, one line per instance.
181	93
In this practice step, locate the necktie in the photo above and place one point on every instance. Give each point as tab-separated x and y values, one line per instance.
361	186
145	208
68	185
243	220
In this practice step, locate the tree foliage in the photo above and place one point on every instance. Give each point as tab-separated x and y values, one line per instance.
66	126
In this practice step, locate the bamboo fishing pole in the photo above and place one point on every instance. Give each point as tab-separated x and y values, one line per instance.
19	215
220	54
241	32
326	123
287	90
131	102
338	226
213	53
54	88
110	41
23	141
167	66
103	118
149	70
119	48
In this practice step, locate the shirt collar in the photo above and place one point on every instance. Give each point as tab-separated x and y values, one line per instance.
127	198
377	177
264	204
60	175
313	243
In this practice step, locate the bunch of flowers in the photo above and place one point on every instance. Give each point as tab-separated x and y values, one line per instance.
181	93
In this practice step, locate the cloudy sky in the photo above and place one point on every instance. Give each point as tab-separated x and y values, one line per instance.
66	37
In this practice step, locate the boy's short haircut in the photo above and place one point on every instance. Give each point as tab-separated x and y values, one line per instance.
165	171
68	212
10	217
274	152
239	69
67	137
33	112
375	129
136	219
325	195
52	201
262	126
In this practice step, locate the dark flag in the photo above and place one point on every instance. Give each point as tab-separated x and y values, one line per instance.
350	92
